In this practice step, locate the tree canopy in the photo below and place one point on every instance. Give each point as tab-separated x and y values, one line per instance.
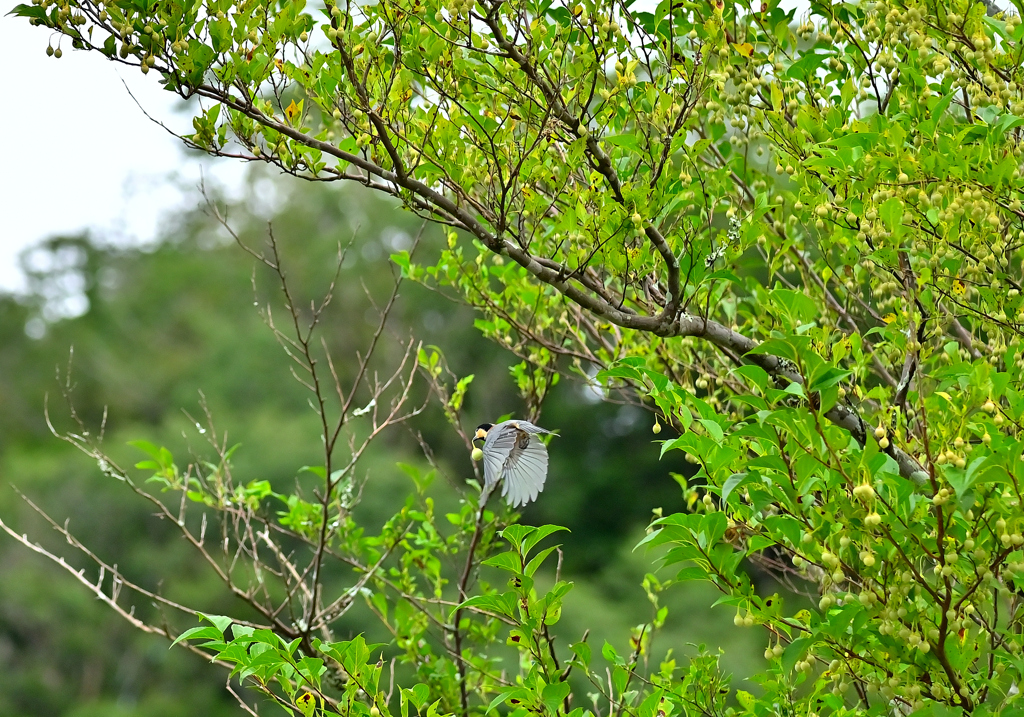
798	239
173	324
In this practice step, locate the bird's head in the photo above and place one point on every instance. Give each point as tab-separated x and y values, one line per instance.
481	431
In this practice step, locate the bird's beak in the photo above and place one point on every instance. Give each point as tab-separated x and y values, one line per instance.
481	434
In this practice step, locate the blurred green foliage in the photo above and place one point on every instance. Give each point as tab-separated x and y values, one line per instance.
164	323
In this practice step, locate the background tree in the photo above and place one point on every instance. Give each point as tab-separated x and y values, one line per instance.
162	324
800	241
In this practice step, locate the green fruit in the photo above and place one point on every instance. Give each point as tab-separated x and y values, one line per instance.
477	454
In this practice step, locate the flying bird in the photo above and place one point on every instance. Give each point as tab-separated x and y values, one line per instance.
513	455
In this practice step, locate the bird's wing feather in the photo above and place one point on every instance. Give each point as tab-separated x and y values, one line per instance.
528	427
521	469
500	441
525	471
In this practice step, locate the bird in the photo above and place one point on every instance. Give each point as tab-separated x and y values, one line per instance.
514	455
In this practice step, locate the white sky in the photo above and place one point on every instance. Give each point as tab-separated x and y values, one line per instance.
78	153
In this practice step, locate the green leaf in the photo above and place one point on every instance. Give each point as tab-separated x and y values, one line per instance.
505	561
699	147
618	371
221	622
500	604
538	560
420	694
400	259
755	374
692	573
202	631
712	528
864	140
554	694
830	376
891	213
963	479
807	65
517	693
516	533
776	347
628	140
733	482
146	447
34	11
582	652
538	535
713	429
609	653
794	651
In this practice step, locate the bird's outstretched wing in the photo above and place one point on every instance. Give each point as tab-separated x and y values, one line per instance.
514	453
528	427
526	470
497	447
